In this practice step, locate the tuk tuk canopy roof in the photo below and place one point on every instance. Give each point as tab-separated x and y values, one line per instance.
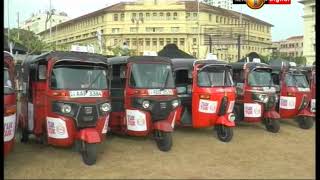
185	63
71	56
249	65
137	59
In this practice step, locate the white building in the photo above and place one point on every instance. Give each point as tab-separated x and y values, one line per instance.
39	22
309	40
226	4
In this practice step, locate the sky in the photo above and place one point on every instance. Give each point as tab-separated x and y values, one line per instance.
286	19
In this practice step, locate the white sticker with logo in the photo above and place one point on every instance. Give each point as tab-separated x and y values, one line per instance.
160	92
136	120
207	106
9	127
105	126
56	128
84	93
252	110
313	105
287	102
303	89
230	108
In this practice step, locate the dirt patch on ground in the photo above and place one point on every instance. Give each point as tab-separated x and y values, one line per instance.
196	153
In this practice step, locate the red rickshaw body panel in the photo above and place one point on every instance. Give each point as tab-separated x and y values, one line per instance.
10	108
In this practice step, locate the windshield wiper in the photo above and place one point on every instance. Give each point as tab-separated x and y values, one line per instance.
166	81
95	79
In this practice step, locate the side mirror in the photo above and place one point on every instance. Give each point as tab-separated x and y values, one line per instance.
42	72
190	74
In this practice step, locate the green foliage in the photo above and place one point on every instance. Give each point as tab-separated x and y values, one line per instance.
28	39
119	51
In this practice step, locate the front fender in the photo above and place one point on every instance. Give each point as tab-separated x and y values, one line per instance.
305	112
89	135
271	114
162	126
224	120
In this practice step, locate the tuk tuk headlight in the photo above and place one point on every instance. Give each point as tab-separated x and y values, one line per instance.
105	107
146	104
175	103
66	108
231	117
265	99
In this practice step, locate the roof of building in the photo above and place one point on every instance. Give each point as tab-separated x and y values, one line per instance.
295	37
190	6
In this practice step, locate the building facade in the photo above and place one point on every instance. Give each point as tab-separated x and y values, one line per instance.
293	46
226	4
38	22
150	25
309	41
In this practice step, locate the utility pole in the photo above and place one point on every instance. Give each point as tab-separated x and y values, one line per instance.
198	53
239	35
9	44
18	25
210	43
50	11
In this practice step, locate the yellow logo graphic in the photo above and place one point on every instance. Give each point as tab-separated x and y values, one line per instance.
255	4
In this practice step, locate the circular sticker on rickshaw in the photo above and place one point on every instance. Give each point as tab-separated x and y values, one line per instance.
140	122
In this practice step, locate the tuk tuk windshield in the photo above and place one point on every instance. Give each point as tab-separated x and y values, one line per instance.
78	77
260	77
296	80
151	76
211	77
8	89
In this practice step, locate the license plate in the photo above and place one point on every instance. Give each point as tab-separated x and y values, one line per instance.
84	93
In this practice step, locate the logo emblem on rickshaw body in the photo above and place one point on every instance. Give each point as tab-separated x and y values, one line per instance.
255	4
88	110
163	105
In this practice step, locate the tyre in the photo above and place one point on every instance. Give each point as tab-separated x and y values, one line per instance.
305	122
224	133
89	153
164	140
24	136
272	125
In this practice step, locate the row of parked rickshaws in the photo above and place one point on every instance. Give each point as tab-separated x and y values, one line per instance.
74	98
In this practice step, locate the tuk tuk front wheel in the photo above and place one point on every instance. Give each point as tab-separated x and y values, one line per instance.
24	136
224	133
89	153
272	125
163	140
305	122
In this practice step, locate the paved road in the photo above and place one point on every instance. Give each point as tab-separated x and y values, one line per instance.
196	153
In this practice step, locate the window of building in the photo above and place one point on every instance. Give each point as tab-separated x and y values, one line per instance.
154	16
134	42
168	40
175	16
154	29
140	42
140	16
161	41
181	41
147	16
154	42
195	16
168	16
161	16
133	29
115	17
122	17
221	19
147	41
194	41
217	19
188	16
115	30
133	15
174	29
175	41
210	17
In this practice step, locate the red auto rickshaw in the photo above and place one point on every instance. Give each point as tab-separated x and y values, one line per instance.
207	95
144	99
65	101
10	104
310	73
256	95
294	92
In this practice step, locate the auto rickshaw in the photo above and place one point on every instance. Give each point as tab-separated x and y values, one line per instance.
65	101
207	95
10	104
310	73
256	95
144	99
294	92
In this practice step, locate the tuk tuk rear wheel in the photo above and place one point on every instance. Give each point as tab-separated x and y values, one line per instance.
89	153
24	136
305	122
272	125
224	133
163	140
